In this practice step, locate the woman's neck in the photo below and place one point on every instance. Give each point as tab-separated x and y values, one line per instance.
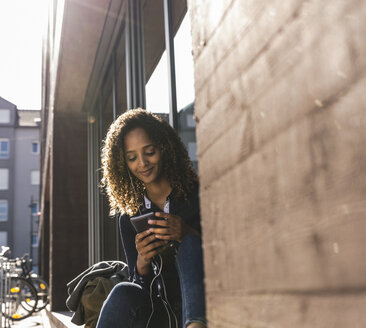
158	191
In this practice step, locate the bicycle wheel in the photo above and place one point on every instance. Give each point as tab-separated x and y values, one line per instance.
20	301
42	292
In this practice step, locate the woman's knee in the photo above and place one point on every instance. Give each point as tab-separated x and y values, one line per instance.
122	304
126	292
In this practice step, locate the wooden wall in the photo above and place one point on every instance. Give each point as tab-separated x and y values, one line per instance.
281	132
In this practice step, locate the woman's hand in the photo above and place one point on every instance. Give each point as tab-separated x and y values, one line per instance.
172	227
147	246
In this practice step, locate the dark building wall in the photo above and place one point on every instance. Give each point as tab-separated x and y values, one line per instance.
280	105
69	204
44	245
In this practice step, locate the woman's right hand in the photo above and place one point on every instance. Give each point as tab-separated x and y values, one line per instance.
147	247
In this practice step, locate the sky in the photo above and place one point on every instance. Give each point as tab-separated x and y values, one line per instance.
21	30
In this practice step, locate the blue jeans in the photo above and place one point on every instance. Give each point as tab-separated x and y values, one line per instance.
129	305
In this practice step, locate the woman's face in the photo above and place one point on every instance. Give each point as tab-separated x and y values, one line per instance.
143	158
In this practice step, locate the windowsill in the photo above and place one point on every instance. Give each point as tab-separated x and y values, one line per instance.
60	319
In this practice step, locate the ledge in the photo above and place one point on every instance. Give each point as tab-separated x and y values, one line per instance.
61	319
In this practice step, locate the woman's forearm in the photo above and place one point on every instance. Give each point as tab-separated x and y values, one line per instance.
143	267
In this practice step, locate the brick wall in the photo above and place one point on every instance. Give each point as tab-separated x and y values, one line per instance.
280	110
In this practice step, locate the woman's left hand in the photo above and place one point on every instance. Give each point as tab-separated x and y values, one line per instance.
172	227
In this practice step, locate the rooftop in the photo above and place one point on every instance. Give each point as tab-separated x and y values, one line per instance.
29	117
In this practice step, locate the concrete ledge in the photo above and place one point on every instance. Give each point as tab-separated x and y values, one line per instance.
61	319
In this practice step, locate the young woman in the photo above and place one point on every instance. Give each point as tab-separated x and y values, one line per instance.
146	168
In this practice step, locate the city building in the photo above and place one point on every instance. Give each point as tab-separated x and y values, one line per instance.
19	179
279	118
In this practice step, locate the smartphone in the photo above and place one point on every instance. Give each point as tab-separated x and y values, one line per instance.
140	222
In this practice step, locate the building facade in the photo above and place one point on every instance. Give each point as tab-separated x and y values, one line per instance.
26	186
19	167
8	123
278	112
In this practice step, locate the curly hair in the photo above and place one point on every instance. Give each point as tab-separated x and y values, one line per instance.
116	180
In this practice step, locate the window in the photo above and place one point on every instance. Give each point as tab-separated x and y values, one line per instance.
35	268
4	148
35	177
157	88
3	210
34	240
190	121
3	238
192	151
35	147
184	64
35	208
4	115
4	179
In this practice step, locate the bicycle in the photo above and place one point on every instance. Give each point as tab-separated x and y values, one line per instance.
19	299
41	286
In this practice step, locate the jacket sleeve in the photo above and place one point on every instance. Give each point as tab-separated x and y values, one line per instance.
128	240
128	235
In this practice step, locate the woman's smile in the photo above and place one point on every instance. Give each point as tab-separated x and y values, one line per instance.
146	172
143	157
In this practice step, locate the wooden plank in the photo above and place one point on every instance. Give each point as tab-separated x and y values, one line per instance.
287	311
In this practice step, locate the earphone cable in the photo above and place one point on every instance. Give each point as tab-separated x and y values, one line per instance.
168	304
151	285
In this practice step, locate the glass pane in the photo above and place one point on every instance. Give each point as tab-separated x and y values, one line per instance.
157	92
35	178
4	115
4	179
34	240
4	146
35	147
156	69
3	238
34	208
184	64
3	210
